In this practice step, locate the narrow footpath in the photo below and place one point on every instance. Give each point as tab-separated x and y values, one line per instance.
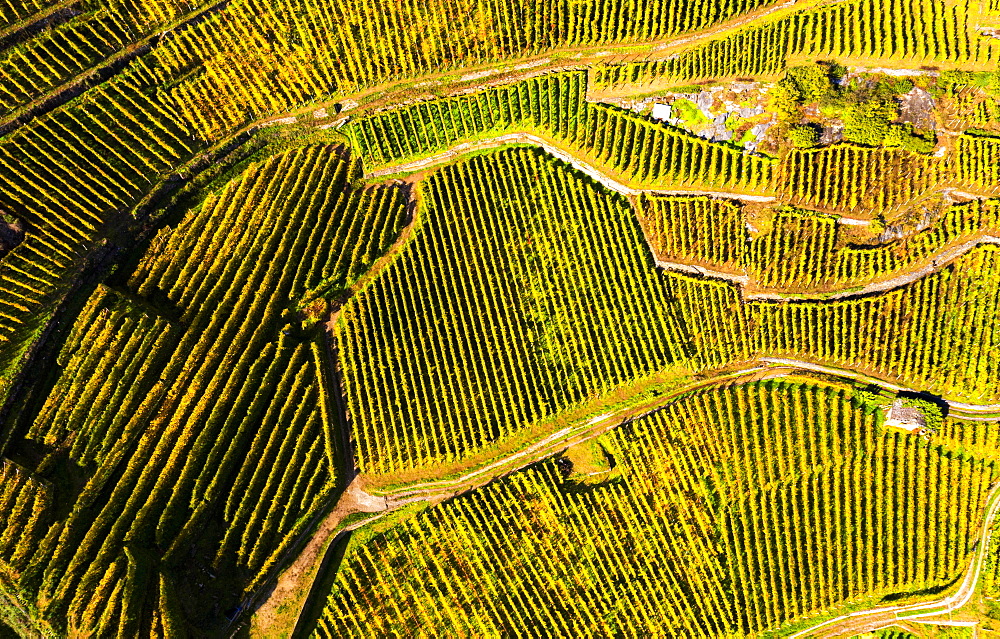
464	148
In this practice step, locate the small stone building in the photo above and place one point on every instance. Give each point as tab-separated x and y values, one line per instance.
906	418
661	111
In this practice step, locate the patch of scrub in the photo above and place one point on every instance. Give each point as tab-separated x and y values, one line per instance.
586	460
687	114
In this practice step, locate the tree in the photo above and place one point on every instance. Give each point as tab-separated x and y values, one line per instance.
933	416
867	121
813	83
803	136
785	98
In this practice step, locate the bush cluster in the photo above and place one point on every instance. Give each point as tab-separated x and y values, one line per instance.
867	106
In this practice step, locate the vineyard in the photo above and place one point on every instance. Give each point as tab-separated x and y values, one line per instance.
802	251
557	318
729	512
548	256
190	399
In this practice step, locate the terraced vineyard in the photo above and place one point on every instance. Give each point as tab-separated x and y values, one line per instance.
549	309
728	512
570	318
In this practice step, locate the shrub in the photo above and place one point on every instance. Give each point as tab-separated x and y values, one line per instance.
903	136
931	411
870	399
813	83
690	114
867	122
804	136
897	86
785	97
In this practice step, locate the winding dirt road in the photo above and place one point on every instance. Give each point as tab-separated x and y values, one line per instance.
938	261
297	579
845	373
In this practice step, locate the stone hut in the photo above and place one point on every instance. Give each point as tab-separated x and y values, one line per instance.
906	418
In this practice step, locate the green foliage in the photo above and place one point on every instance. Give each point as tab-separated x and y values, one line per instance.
690	114
588	461
952	78
992	607
993	86
870	401
905	137
803	136
785	98
896	85
835	71
363	535
933	417
685	88
866	119
981	133
813	82
867	107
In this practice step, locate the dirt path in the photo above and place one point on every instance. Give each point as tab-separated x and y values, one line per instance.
294	583
694	269
875	618
455	152
743	281
938	261
765	367
958	407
